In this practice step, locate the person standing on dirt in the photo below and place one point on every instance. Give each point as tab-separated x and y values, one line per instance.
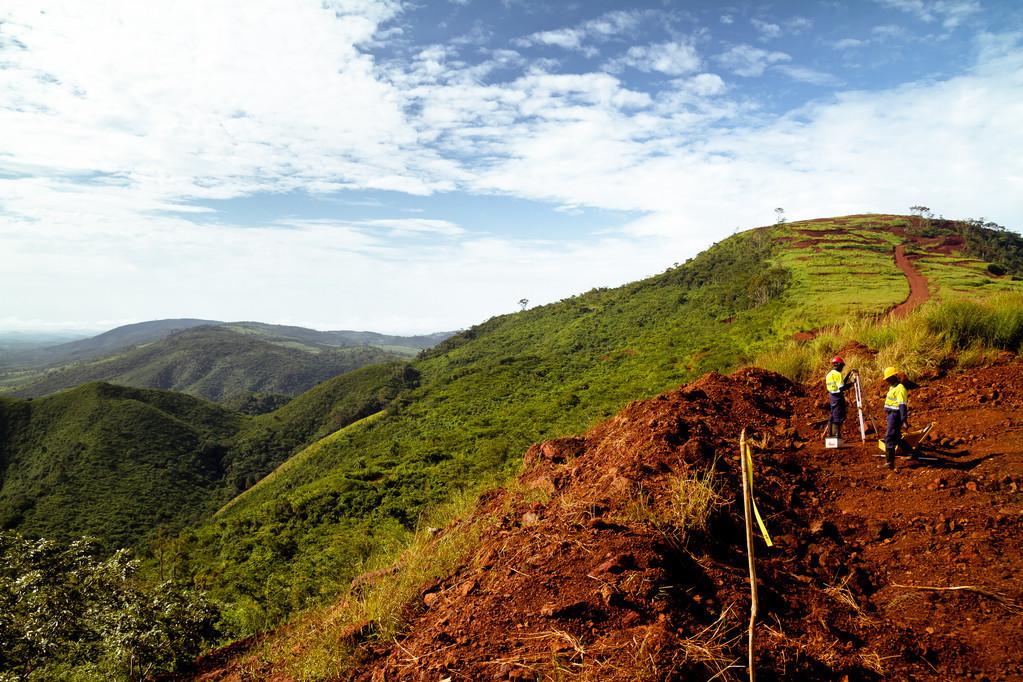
837	386
896	412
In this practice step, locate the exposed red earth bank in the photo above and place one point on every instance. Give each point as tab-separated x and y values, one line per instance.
574	578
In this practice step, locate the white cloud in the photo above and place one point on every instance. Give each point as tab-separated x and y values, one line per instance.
770	31
767	30
288	101
951	13
704	85
673	59
727	19
798	25
749	61
575	38
807	75
848	43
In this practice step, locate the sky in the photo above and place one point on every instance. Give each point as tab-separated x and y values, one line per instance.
415	166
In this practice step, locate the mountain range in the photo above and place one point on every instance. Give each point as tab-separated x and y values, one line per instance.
244	364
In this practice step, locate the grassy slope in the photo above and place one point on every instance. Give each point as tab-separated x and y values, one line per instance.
214	363
488	393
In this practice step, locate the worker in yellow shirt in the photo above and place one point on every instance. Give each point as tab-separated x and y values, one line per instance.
837	386
896	412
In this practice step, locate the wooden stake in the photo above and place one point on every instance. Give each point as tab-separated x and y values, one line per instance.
744	463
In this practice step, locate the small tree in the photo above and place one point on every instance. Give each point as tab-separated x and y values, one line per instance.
523	302
779	216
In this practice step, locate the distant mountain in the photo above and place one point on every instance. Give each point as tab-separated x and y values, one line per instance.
122	337
214	362
339	338
97	346
26	352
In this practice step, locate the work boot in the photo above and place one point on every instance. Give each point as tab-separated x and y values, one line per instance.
889	459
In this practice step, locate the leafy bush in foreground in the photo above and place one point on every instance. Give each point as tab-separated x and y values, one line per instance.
68	613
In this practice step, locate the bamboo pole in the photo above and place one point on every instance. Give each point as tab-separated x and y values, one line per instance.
744	465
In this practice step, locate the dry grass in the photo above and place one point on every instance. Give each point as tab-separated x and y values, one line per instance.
684	510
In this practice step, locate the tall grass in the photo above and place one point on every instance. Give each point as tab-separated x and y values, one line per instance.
963	333
997	322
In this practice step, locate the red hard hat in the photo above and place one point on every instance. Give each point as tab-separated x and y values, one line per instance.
837	360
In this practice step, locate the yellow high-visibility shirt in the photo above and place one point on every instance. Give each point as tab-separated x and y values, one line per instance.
833	379
897	395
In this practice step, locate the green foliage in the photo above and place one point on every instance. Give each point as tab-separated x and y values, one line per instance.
992	242
269	439
66	612
119	462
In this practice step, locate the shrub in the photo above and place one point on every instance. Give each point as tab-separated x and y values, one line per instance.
67	613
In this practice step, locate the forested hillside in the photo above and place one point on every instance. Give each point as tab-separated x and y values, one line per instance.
118	463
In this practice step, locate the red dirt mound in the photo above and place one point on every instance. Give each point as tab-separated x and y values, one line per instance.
590	582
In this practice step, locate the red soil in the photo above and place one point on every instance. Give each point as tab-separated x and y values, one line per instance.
918	292
580	583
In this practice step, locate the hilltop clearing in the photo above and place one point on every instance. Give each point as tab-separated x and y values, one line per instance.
619	554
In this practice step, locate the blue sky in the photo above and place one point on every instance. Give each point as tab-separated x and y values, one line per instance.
417	166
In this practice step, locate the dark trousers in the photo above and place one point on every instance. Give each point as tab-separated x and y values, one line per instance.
837	414
893	434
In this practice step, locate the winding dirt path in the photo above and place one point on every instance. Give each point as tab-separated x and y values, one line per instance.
918	291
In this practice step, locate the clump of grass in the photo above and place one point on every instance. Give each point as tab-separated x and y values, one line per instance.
693	497
685	510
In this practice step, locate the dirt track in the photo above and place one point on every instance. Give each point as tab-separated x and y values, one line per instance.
918	291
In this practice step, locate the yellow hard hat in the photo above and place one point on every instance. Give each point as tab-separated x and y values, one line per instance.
890	372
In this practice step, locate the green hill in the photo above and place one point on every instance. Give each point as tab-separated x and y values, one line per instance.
216	363
486	394
109	461
117	462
